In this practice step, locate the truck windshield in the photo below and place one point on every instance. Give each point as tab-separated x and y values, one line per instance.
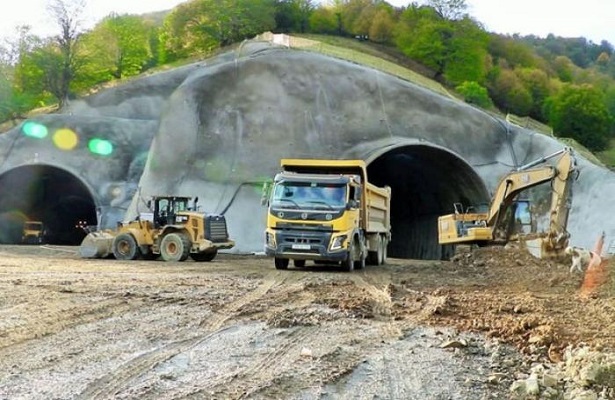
302	195
33	226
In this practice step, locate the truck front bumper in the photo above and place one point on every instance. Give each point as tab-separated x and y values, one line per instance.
302	245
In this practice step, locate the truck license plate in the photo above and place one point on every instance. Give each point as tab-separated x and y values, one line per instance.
301	246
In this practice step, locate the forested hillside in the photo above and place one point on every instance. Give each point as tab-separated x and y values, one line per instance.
565	83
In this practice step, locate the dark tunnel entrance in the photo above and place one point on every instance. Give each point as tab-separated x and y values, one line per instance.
47	194
425	182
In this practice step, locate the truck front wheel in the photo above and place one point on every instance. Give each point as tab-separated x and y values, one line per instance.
175	247
281	263
348	263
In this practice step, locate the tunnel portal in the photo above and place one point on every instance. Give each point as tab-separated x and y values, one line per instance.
425	182
47	194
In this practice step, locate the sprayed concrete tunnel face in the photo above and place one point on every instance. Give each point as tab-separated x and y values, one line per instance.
425	182
205	129
47	194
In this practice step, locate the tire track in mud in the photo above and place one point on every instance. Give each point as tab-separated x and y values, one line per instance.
113	383
377	286
261	373
50	322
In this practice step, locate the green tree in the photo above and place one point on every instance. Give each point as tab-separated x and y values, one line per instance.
467	53
509	93
324	20
61	53
293	15
351	12
513	52
454	50
200	26
449	9
564	68
15	101
381	28
537	82
43	70
581	113
474	93
117	47
609	100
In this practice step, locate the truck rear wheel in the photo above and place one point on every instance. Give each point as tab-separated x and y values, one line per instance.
375	257
385	245
207	256
281	263
175	247
125	247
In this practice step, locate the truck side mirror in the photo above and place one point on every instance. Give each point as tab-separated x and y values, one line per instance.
352	203
265	193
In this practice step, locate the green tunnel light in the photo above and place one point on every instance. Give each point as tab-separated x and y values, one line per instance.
101	147
35	130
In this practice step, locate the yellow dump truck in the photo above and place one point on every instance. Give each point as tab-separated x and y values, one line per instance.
328	212
33	232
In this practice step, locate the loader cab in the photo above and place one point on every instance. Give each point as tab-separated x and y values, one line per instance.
166	209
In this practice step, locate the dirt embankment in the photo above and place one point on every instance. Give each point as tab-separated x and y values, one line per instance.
237	328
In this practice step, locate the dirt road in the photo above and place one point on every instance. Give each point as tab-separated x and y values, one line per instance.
237	328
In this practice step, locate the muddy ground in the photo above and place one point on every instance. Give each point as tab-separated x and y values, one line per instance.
236	327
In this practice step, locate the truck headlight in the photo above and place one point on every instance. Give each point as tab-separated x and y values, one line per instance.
270	239
338	242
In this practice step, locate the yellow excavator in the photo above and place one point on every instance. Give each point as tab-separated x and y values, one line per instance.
509	218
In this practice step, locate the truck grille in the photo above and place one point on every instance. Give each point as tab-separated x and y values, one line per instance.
215	228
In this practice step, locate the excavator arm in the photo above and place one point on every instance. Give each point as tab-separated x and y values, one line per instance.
557	236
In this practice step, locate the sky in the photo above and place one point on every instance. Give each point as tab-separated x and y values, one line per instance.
34	13
592	19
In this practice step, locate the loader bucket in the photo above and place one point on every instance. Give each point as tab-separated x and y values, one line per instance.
97	245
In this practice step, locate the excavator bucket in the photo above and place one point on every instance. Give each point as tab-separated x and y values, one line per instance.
546	248
97	245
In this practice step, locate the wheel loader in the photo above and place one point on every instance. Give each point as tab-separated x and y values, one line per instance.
171	230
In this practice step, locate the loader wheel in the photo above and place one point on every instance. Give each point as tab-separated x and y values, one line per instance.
125	247
207	256
175	247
